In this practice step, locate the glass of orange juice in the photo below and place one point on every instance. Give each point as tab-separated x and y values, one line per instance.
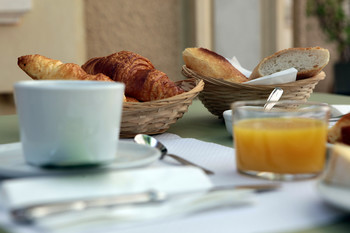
287	142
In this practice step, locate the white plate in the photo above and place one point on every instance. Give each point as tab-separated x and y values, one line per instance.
129	155
335	195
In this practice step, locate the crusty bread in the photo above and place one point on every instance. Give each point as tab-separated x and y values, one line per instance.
308	62
340	132
337	172
210	64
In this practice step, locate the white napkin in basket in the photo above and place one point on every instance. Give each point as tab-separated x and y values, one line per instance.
284	76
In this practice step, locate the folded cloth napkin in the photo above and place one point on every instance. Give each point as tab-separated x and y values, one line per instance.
171	180
138	215
339	109
60	188
284	76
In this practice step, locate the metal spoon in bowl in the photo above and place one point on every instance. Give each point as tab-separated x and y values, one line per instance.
273	98
153	142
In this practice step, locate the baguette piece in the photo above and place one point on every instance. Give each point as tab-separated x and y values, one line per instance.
41	67
340	132
308	62
210	64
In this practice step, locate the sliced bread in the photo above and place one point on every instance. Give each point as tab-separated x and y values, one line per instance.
337	172
308	62
210	64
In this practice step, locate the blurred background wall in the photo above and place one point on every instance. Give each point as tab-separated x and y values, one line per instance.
75	30
307	32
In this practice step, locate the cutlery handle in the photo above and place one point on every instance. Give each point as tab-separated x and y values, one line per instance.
30	213
336	118
273	98
186	162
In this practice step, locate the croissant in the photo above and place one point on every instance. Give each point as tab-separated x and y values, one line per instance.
142	81
41	67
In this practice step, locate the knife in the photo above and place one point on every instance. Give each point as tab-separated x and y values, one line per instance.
30	213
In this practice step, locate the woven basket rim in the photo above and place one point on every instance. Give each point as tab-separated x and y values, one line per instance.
154	117
188	72
199	85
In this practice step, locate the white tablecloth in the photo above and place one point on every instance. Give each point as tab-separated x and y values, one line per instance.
297	205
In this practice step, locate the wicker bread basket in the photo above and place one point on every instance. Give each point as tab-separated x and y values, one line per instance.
155	117
218	94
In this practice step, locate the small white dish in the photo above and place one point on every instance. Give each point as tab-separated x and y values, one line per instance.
228	121
335	195
129	155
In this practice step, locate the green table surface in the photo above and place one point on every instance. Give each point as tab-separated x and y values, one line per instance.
199	123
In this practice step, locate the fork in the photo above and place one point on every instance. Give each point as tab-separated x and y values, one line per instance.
336	118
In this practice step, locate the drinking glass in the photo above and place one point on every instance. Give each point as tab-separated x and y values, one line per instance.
287	142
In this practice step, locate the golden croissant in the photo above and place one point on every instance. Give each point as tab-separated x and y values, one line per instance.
142	81
41	67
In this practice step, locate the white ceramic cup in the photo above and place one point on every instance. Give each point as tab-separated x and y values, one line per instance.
69	123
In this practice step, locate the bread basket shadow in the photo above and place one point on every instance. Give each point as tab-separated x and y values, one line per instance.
218	94
155	117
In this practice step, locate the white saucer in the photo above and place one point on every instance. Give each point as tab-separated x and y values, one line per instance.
129	155
335	195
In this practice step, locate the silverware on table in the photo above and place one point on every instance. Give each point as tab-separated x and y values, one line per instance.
336	118
153	142
29	214
275	96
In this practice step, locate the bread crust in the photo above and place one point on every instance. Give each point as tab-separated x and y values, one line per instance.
301	73
340	131
210	64
131	99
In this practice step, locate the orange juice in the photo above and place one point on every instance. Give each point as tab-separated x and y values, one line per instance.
280	145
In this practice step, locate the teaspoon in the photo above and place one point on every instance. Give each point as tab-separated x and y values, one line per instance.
153	142
273	98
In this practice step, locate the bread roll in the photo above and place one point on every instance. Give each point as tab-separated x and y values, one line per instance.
340	132
308	62
210	64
